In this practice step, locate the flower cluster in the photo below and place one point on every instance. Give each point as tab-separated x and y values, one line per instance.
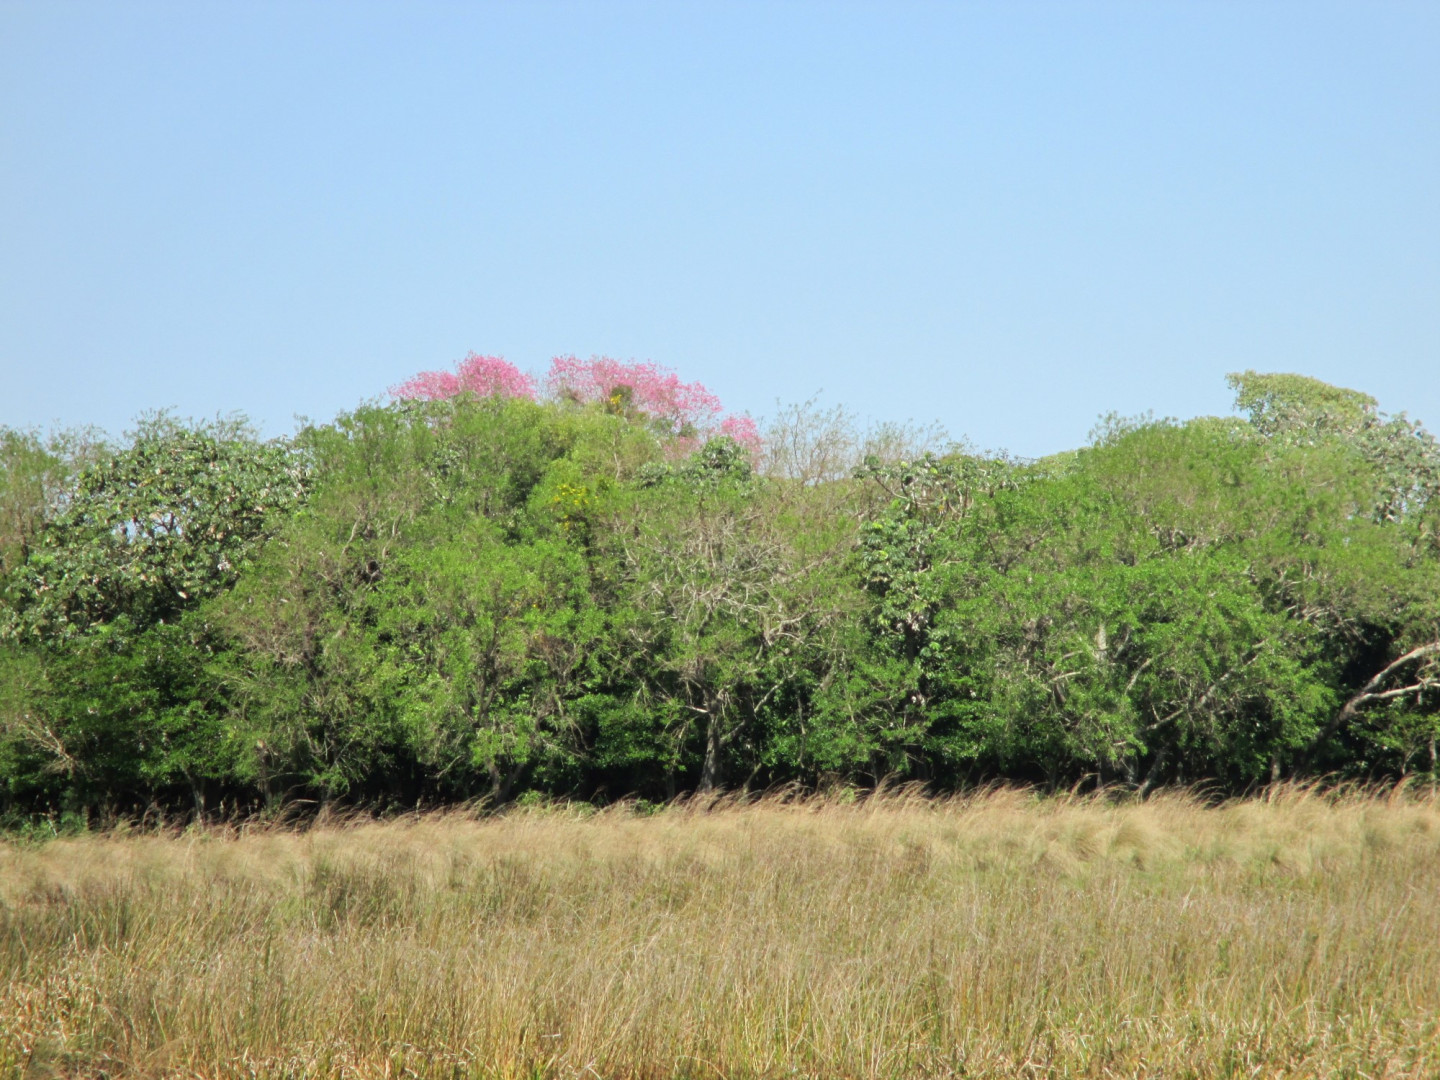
641	388
483	376
686	413
743	430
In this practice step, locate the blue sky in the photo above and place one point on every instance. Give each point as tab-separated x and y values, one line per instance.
1007	217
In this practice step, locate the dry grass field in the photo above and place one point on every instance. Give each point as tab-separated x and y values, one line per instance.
995	935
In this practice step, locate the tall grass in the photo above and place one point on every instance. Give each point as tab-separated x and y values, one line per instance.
999	934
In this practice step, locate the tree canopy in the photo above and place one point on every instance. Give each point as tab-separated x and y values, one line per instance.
476	591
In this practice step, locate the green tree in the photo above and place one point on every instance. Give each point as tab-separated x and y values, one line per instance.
102	625
153	528
36	477
422	628
1380	592
720	604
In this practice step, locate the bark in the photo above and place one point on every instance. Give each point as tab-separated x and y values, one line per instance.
712	773
502	783
1152	775
197	794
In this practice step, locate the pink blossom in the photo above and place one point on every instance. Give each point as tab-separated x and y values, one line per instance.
687	413
483	376
642	388
743	430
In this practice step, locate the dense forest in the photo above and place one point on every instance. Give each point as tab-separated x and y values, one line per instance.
602	586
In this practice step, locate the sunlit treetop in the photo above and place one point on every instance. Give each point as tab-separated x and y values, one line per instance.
1299	409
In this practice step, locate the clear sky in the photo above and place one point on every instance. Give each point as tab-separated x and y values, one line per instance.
1007	217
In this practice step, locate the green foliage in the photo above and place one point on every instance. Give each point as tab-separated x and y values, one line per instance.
106	650
721	603
1177	600
1285	404
483	597
36	475
148	530
1404	456
424	628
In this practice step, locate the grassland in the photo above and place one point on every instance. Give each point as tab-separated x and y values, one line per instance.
997	935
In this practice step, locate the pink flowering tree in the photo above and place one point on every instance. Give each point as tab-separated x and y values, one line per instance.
483	376
686	412
743	430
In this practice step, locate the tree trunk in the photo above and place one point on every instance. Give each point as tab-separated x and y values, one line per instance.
712	771
197	794
503	783
1152	775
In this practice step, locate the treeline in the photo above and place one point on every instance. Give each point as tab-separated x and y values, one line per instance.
470	592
